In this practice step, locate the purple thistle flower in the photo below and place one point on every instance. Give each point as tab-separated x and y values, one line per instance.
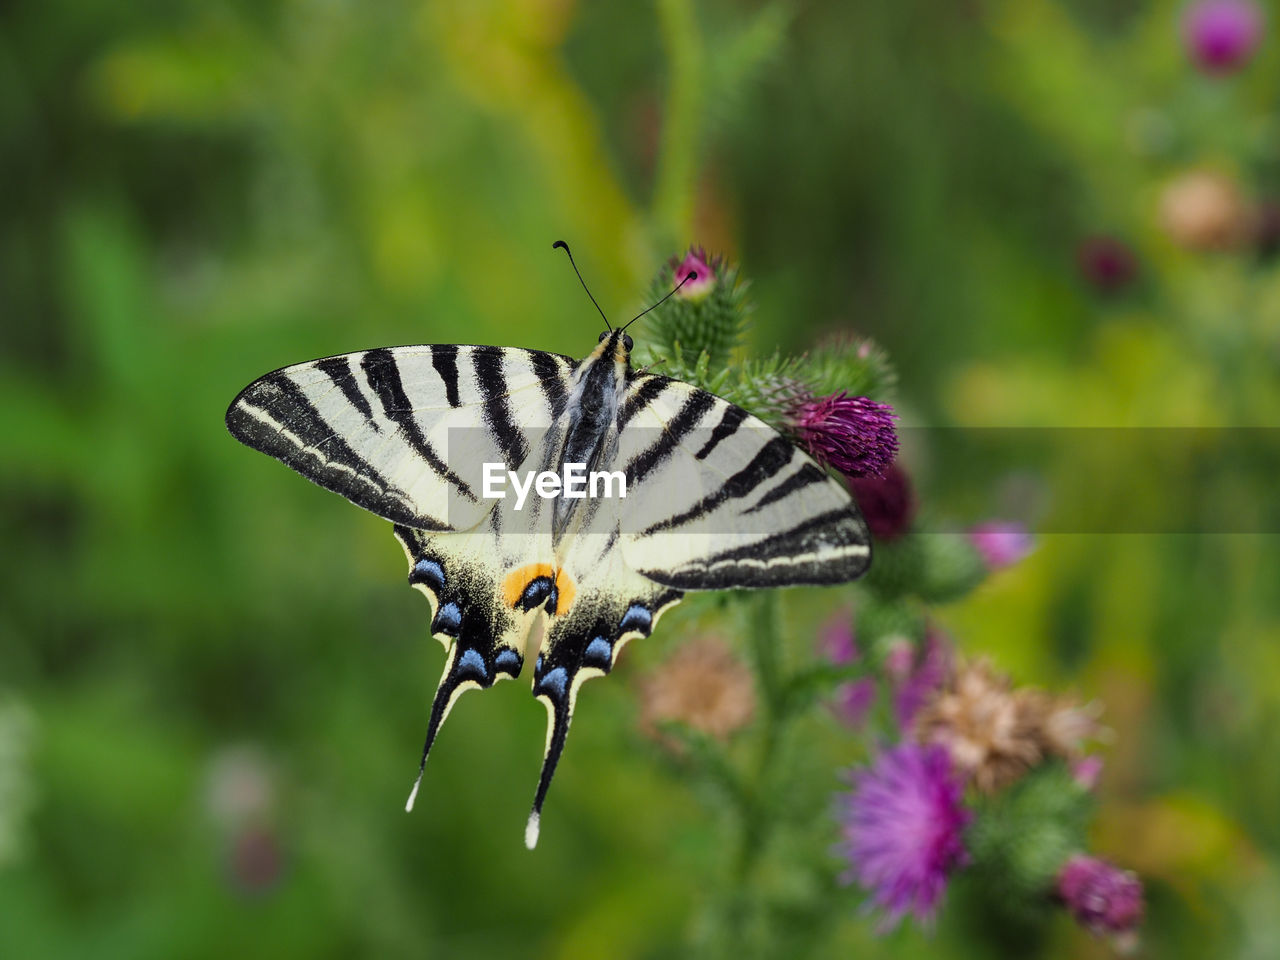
703	268
853	434
887	502
902	829
1221	35
1001	543
1103	898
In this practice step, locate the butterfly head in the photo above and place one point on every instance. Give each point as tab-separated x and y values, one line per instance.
617	344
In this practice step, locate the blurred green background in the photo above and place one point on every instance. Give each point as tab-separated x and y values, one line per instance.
193	639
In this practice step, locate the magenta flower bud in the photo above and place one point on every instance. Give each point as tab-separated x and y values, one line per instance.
1086	771
1107	263
1222	35
1000	543
702	267
853	434
1103	898
902	830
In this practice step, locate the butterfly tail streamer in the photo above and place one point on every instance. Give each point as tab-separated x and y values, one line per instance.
453	683
559	715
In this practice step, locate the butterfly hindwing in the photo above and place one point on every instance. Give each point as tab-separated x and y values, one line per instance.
402	431
611	605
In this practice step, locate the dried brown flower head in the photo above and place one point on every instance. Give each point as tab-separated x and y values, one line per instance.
995	733
1204	210
991	731
1068	725
704	686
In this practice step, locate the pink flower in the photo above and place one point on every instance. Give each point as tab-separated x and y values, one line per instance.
836	638
854	700
1086	771
899	659
702	267
1103	898
902	829
931	670
1221	35
1001	543
853	434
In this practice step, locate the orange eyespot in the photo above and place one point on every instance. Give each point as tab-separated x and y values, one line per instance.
516	585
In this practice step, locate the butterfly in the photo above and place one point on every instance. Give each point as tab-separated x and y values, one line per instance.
712	498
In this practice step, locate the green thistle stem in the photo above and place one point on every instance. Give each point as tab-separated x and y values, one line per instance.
673	193
764	641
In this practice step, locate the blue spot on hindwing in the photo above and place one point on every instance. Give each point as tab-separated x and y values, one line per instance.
448	619
472	662
599	653
637	617
556	681
428	572
508	661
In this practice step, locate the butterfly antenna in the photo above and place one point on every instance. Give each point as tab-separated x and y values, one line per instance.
691	276
565	247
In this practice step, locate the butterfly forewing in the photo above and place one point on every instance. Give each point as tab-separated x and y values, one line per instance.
403	431
720	499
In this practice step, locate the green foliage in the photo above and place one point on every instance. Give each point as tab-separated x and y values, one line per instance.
197	193
1022	837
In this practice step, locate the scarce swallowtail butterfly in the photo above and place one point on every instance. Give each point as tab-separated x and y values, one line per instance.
715	499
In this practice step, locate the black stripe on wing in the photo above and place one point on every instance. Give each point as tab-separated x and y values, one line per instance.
727	427
383	373
651	387
492	381
338	369
833	547
445	361
552	378
273	415
771	458
806	476
695	407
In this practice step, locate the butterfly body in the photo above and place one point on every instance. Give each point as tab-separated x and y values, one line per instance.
715	499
